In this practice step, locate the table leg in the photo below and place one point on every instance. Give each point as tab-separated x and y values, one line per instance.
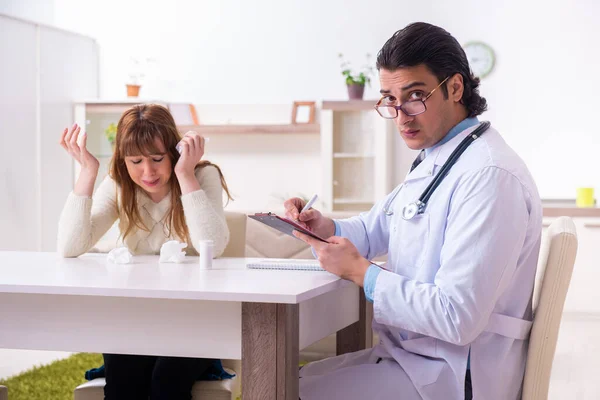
270	351
359	335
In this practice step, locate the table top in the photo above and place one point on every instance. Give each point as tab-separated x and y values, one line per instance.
92	275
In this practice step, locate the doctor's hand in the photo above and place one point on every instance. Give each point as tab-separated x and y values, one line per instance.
339	256
310	219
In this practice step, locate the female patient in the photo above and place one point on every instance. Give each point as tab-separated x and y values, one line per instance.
157	195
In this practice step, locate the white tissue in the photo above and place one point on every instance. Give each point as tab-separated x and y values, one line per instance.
178	145
171	252
120	255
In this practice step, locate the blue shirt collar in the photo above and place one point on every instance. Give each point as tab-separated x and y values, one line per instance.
461	126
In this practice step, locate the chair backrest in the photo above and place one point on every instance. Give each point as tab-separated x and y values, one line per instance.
555	267
236	222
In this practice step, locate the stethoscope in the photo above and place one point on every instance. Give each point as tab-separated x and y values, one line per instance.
410	210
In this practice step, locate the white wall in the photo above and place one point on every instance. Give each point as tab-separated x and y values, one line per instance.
274	52
263	169
40	11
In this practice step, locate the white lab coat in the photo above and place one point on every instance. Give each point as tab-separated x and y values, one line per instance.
461	278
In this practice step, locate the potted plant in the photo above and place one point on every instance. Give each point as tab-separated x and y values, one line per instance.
136	75
135	79
111	134
356	81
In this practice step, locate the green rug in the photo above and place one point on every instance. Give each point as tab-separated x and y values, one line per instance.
55	381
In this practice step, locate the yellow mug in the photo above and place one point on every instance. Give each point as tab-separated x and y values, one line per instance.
585	197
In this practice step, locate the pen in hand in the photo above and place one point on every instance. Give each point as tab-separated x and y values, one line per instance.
306	207
310	203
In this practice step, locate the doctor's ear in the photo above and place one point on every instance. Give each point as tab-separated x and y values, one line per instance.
456	87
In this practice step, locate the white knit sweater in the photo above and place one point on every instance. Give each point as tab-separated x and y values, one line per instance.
85	220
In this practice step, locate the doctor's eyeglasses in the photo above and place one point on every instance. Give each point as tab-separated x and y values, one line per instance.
410	108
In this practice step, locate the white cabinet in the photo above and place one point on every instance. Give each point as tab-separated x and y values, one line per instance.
584	295
356	151
60	83
19	202
43	70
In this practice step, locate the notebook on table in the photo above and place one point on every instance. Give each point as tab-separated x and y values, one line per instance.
285	264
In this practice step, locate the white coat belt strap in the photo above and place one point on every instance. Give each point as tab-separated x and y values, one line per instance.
511	327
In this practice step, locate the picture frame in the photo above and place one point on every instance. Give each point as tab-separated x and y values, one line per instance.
303	112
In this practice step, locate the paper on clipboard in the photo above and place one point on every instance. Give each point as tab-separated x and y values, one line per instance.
283	225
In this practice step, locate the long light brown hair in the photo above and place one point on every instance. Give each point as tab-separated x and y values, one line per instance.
137	131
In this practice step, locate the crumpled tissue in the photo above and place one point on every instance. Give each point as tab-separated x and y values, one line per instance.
120	255
171	252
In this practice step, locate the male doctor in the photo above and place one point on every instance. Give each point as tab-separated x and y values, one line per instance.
453	306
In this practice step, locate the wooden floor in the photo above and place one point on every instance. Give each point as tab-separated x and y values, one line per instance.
575	374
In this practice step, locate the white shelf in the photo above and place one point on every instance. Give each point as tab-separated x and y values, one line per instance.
353	155
352	201
350	105
251	129
117	106
356	155
128	100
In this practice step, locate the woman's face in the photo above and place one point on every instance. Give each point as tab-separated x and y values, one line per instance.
151	173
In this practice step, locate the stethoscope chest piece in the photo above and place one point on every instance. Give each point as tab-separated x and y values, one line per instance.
412	209
417	207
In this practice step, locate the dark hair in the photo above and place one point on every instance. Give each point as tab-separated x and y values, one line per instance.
432	46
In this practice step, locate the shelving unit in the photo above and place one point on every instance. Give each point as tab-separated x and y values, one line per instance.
356	154
96	115
250	129
353	155
341	201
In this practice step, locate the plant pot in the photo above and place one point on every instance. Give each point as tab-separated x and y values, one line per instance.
356	92
133	90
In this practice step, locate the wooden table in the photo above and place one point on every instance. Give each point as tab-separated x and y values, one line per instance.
261	317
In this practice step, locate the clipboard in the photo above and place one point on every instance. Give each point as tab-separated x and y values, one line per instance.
283	225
